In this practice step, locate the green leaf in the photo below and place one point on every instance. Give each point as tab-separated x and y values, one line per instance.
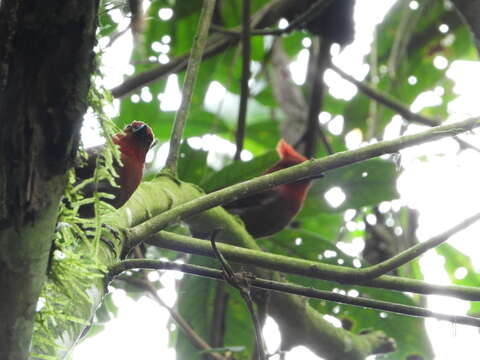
366	183
292	43
192	164
239	171
326	224
456	260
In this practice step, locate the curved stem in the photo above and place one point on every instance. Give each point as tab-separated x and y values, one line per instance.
189	84
312	269
244	90
413	252
396	105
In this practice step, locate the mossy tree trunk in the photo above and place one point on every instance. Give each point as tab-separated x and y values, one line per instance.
46	60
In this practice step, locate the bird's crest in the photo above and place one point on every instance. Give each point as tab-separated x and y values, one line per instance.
288	153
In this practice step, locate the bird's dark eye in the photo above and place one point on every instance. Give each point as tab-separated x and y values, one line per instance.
128	127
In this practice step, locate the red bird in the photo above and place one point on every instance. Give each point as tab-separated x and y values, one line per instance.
270	211
134	141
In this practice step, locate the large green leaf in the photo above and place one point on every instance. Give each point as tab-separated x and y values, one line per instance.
196	305
106	25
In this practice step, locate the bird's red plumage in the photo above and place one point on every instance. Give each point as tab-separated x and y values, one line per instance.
134	142
270	211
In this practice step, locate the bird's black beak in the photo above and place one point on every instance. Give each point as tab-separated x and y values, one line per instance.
141	133
141	129
154	142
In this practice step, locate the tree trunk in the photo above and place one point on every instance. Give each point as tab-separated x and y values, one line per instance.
46	60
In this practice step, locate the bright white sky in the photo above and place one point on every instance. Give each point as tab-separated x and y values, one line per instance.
139	331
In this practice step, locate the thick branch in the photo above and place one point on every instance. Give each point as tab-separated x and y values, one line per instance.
164	193
316	333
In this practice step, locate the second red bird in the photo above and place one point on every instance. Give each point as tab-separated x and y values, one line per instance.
270	211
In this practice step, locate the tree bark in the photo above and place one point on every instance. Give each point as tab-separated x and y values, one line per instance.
46	60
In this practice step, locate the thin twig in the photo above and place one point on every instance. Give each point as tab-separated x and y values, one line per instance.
372	121
395	105
244	90
190	77
386	100
312	12
186	328
415	251
241	281
229	273
293	289
175	65
320	57
115	36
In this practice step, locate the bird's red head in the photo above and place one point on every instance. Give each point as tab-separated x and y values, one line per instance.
288	154
135	140
288	157
297	190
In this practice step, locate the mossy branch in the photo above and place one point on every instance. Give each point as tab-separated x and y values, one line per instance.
313	269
